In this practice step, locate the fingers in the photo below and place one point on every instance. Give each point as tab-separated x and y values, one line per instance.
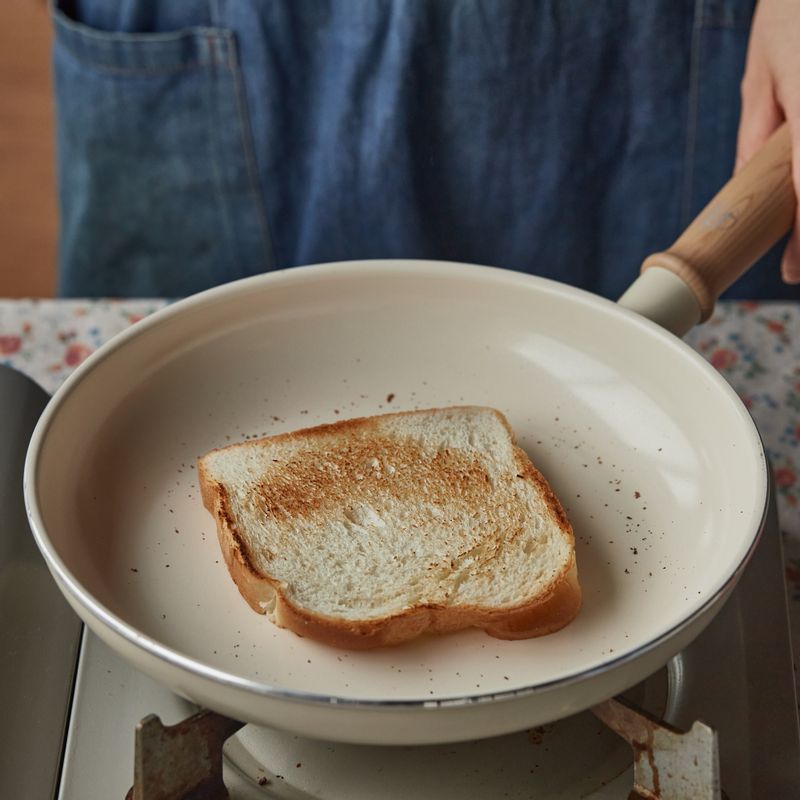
790	265
761	114
770	92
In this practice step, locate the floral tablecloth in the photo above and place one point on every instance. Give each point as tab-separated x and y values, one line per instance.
756	346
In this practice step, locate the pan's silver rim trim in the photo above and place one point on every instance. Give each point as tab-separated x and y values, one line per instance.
100	617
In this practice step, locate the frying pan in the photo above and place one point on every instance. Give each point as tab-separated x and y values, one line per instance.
656	460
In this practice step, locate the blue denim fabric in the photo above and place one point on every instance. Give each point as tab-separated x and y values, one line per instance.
203	140
158	185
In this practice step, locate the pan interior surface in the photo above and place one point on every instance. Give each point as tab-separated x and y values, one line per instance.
656	462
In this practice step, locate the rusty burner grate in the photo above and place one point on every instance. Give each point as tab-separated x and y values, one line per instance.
184	761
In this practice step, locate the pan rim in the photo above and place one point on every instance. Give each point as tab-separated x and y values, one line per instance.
101	616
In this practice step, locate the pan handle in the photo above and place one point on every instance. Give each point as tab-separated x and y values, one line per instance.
755	208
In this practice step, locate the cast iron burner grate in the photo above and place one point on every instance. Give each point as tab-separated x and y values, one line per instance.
184	761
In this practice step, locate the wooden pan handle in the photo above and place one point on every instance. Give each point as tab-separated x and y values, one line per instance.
751	212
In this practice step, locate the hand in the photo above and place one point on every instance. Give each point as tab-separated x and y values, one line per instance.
771	93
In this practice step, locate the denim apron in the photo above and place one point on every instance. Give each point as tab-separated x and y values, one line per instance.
200	141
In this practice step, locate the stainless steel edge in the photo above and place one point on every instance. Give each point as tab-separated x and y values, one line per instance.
773	719
41	633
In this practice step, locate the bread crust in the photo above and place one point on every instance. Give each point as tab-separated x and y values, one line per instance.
550	610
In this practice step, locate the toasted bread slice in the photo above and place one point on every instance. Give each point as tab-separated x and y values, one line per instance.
372	531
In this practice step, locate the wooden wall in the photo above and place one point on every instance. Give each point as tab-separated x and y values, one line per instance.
28	219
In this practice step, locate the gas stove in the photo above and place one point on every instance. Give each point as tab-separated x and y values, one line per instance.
736	678
78	719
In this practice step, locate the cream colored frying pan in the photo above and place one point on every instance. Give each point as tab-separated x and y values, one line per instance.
657	461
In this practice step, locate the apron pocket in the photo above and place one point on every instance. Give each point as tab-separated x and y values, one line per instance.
158	188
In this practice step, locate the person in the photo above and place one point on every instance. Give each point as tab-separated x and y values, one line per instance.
201	141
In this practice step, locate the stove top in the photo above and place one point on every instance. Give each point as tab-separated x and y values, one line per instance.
736	677
75	741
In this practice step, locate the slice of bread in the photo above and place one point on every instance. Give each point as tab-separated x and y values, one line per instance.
372	531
